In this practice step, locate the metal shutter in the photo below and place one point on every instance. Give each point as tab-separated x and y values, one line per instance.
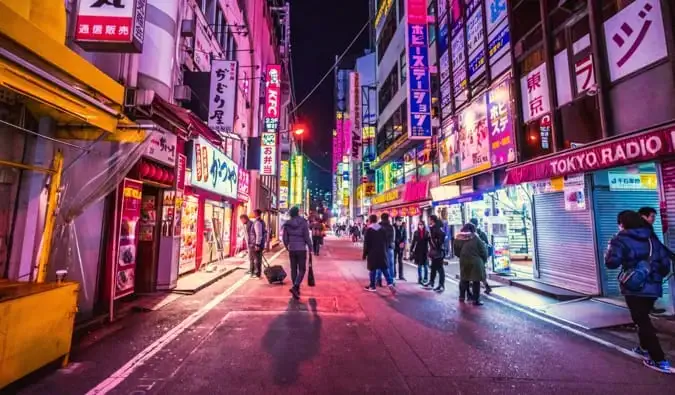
607	205
565	251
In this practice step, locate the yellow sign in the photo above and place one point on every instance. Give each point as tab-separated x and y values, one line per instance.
284	171
386	197
466	173
132	193
384	8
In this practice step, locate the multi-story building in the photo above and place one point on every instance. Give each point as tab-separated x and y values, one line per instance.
167	115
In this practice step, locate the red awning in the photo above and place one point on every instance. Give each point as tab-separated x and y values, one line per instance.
605	154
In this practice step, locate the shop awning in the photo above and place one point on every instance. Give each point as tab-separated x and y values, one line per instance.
605	154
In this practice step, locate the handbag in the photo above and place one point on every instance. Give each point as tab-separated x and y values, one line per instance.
310	276
635	278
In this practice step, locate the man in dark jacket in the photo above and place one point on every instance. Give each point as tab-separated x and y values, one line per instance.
297	241
254	234
400	240
484	238
389	240
437	254
375	252
636	244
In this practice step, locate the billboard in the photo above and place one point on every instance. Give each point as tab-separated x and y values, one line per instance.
222	95
419	84
268	155
297	175
111	25
355	115
268	139
212	170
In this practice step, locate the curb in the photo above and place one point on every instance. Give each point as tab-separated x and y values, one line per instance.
207	283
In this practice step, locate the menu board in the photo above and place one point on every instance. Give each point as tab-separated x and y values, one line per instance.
148	218
127	243
188	233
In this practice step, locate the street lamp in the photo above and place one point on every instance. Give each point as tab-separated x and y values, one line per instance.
299	131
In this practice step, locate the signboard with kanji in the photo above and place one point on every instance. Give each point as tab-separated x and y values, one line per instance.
534	89
419	87
222	95
111	25
268	157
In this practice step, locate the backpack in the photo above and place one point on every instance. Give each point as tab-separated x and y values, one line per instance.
635	278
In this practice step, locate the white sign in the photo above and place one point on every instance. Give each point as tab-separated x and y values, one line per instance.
202	55
457	52
574	192
635	38
495	12
474	31
110	24
444	65
268	155
563	81
162	148
534	90
583	69
222	95
212	170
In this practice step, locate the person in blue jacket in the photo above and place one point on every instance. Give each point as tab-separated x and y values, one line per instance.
636	242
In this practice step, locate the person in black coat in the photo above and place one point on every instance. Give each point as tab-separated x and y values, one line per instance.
436	254
419	250
375	252
400	240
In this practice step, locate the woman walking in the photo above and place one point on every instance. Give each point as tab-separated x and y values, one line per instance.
644	263
472	254
436	254
419	249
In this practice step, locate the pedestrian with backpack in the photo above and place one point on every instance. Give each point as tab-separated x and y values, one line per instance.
644	263
297	241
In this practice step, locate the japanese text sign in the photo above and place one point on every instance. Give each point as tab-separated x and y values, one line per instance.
111	25
222	95
635	38
272	97
130	213
243	183
212	170
534	89
419	89
500	124
162	148
268	156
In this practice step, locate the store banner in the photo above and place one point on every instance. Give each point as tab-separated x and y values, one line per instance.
637	148
635	181
458	62
534	90
130	214
475	38
243	184
419	82
272	97
110	25
574	188
635	38
268	155
162	148
222	95
180	172
500	123
212	170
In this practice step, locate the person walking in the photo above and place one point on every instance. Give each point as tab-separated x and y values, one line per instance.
375	247
296	238
400	240
639	253
254	236
472	254
436	254
419	249
317	235
484	238
649	215
389	238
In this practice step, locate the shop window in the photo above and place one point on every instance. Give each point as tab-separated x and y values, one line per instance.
392	129
220	28
403	62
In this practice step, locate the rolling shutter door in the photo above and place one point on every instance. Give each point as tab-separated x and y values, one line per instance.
607	205
565	251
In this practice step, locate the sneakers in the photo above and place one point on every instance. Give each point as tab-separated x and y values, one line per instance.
392	289
662	366
370	289
428	286
641	352
295	293
439	289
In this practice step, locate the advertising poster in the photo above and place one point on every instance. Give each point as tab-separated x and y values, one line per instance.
500	124
495	13
455	15
574	190
130	211
419	83
474	141
448	149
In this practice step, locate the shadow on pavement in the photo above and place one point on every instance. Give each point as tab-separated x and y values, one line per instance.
293	338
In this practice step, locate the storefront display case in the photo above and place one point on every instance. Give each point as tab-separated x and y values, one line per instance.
188	232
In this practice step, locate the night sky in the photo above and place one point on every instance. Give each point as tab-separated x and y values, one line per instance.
319	31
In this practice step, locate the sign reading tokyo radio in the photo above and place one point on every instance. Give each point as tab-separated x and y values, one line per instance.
212	170
111	25
268	158
419	89
272	97
222	95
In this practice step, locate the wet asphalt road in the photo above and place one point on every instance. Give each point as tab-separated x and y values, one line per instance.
339	339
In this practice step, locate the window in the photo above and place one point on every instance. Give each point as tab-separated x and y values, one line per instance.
401	9
232	47
387	34
221	29
528	16
611	8
388	89
431	27
393	128
403	62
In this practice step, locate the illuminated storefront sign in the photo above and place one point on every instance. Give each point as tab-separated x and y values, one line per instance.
212	170
355	115
268	156
115	26
272	97
243	183
284	184
386	197
223	95
297	175
419	89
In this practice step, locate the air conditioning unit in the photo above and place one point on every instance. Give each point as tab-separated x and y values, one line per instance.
182	93
187	28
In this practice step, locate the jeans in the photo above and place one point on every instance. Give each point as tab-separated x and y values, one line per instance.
316	243
255	261
390	265
298	267
640	308
437	268
375	274
398	258
422	268
464	290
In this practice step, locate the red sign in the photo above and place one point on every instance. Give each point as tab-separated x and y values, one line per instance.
111	25
618	152
243	185
417	12
180	172
416	191
130	213
272	96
